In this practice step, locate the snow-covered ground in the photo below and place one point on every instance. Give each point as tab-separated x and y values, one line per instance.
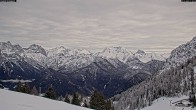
163	103
10	100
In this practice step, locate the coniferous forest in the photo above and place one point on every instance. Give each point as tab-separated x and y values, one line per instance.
175	81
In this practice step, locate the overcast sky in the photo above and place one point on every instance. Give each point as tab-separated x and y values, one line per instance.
151	25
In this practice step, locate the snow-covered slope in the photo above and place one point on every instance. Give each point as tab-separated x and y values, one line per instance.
182	53
67	52
36	53
134	60
18	101
115	53
146	57
182	61
36	49
68	60
163	103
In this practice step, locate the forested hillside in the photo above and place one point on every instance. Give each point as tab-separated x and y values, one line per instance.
174	81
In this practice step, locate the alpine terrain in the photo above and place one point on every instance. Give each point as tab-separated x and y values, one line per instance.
111	71
176	79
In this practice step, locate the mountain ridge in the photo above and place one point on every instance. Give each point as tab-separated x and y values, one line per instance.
174	79
111	71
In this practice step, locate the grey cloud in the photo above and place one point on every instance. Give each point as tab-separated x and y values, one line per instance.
152	25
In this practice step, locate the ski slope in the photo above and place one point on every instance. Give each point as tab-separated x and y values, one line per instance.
163	103
10	100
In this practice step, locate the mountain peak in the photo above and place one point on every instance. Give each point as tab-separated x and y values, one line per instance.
115	49
83	51
61	47
34	46
8	42
183	52
115	53
7	47
193	39
140	52
55	51
5	43
146	57
36	49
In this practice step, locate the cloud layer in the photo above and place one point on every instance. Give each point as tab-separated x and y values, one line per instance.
151	25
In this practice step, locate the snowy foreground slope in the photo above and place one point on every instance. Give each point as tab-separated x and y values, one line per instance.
10	100
163	103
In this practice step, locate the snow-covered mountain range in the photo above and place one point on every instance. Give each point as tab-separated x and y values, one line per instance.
123	55
78	69
111	71
72	59
146	57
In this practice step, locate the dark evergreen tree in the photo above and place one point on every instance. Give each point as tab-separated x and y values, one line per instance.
75	99
97	101
67	99
23	87
60	98
108	105
18	87
85	104
34	91
1	86
50	93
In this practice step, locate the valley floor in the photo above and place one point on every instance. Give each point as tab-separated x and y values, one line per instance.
10	100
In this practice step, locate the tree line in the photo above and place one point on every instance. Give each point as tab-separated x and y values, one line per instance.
95	101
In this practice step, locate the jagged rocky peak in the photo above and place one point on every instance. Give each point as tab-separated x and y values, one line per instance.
182	53
115	49
184	48
140	52
82	51
7	47
57	50
119	53
194	39
193	43
67	52
77	52
5	44
34	48
18	48
146	57
8	42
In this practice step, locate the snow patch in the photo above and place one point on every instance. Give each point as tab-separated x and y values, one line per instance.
16	81
165	103
18	101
